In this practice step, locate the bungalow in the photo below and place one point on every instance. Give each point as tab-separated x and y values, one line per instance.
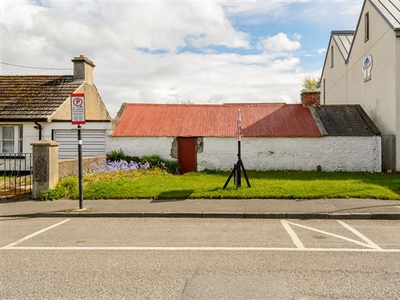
274	136
37	107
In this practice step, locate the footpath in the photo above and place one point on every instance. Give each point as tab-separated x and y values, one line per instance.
207	208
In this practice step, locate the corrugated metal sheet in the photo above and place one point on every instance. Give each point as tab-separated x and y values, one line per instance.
390	10
186	120
343	40
33	97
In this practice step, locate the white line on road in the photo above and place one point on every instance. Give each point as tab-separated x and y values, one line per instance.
360	235
292	234
35	234
200	249
332	234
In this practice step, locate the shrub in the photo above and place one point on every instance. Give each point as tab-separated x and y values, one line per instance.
66	186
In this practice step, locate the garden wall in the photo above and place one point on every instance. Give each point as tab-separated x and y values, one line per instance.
70	166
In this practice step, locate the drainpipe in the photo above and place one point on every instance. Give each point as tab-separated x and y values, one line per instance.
38	127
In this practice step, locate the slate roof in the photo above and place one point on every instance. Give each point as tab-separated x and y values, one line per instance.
346	120
186	120
33	97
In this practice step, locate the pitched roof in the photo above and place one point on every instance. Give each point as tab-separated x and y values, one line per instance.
389	10
343	40
346	120
33	97
185	120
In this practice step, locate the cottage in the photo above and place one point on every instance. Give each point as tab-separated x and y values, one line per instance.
362	66
274	136
37	107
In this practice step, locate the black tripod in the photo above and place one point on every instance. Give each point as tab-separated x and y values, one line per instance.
238	167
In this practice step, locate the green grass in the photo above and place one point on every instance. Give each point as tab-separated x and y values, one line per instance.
274	185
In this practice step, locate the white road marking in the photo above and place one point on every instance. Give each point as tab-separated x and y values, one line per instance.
292	234
198	249
35	234
332	234
360	235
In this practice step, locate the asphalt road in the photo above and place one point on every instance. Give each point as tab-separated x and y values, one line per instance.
199	259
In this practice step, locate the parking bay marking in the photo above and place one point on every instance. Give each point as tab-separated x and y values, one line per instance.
299	244
371	247
35	234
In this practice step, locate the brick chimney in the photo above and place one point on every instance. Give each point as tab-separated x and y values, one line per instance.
83	69
310	98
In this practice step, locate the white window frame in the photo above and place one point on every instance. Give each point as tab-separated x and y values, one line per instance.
17	138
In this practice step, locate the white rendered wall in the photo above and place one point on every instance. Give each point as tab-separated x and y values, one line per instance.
331	153
141	146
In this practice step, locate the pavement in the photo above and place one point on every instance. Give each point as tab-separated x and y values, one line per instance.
206	208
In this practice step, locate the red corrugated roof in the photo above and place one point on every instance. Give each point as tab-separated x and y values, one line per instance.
186	120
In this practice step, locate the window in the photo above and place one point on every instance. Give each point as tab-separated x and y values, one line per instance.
332	60
11	139
366	26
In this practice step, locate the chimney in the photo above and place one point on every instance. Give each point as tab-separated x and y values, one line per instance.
310	98
83	69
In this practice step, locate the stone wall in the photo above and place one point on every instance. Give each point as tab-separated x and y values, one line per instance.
70	166
353	154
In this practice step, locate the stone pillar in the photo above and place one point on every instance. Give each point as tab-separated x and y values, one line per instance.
45	166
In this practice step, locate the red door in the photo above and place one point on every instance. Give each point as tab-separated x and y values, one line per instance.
187	154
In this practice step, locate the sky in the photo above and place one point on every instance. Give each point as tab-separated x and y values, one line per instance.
204	52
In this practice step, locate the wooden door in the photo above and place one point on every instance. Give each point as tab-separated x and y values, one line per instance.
187	153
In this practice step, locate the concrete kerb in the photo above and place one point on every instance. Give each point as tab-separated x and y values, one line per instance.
211	215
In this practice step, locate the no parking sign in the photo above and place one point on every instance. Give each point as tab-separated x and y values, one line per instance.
78	109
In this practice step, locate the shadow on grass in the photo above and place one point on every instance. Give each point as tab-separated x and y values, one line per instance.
174	195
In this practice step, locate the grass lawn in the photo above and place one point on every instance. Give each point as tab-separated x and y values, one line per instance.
274	185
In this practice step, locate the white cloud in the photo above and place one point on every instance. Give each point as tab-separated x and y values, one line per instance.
279	43
137	49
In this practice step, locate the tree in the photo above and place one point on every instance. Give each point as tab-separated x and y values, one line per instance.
310	84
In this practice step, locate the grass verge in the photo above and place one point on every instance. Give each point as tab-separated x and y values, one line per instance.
274	185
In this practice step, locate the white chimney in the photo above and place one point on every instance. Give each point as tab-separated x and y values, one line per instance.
83	69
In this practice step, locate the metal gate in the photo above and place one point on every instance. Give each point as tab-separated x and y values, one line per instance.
388	153
15	174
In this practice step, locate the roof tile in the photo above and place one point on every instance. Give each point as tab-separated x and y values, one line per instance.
33	97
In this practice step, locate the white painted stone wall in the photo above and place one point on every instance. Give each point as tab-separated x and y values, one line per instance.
331	153
141	146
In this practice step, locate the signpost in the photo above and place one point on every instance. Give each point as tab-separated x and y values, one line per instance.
238	167
78	118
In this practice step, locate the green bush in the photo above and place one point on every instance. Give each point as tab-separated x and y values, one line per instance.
66	186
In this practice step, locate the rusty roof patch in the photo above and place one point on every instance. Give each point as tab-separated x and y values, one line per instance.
186	120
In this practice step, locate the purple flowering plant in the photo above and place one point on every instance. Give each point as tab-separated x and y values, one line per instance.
108	169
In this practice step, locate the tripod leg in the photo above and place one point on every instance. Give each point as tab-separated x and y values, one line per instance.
245	175
230	176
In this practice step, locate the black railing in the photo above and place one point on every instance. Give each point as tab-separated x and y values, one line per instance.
15	173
